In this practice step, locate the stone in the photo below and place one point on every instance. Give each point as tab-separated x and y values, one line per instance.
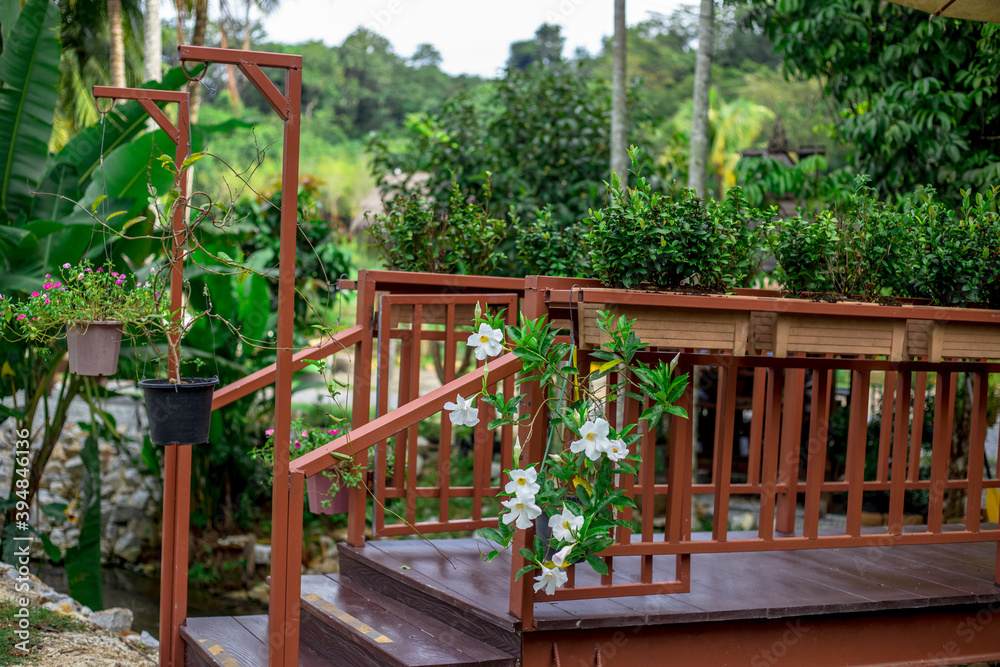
260	592
262	554
148	641
234	541
117	620
128	547
134	507
74	465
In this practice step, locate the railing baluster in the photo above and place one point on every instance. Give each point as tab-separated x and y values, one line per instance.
361	402
722	471
648	482
760	376
791	447
885	431
940	448
769	471
411	433
917	430
403	397
819	424
444	437
977	443
384	370
900	438
857	441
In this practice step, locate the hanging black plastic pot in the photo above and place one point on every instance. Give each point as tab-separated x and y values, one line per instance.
179	413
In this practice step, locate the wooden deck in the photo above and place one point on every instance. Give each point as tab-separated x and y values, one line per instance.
410	602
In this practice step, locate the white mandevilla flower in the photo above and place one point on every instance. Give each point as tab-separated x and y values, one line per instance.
550	579
559	558
522	483
616	450
565	526
462	412
593	439
486	341
523	511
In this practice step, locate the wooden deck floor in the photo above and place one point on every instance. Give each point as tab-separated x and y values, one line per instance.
765	585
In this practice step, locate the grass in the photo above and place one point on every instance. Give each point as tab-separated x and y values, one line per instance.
39	620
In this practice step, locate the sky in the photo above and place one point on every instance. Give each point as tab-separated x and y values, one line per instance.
473	36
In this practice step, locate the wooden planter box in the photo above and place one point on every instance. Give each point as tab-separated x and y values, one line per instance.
935	340
680	328
785	333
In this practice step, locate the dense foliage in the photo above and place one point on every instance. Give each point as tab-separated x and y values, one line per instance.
644	238
918	100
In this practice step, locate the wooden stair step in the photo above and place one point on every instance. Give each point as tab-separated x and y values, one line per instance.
382	573
234	641
339	620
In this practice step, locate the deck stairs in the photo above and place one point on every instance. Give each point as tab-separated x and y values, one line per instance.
368	615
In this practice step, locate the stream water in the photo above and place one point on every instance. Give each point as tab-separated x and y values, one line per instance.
124	588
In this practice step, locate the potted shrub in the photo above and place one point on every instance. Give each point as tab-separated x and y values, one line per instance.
91	307
574	492
644	240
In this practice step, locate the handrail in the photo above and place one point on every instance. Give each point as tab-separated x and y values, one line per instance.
265	376
365	436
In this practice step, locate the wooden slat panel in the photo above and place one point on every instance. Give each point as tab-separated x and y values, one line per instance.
857	436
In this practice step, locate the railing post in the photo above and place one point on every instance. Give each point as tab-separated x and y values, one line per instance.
533	443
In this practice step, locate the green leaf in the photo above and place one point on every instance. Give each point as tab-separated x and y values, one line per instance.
29	69
600	567
97	202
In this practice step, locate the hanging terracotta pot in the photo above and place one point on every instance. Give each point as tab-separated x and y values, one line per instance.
94	346
179	413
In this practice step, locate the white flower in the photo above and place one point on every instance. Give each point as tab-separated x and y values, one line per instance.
462	412
523	510
565	526
559	558
550	579
522	483
593	439
486	341
616	450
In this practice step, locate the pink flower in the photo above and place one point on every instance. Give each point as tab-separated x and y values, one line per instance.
21	317
119	282
99	269
47	302
66	265
88	269
305	434
298	444
334	432
35	294
48	275
79	277
57	284
269	431
47	286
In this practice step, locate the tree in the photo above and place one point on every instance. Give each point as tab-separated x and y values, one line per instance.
917	101
426	55
117	52
702	84
546	48
153	55
619	139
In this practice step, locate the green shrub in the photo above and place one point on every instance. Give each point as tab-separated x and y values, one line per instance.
643	238
415	234
805	250
548	247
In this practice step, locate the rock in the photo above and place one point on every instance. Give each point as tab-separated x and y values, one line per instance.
134	506
128	547
74	466
117	620
234	541
260	592
145	639
262	554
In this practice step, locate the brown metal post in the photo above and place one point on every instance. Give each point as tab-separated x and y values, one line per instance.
177	463
362	397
